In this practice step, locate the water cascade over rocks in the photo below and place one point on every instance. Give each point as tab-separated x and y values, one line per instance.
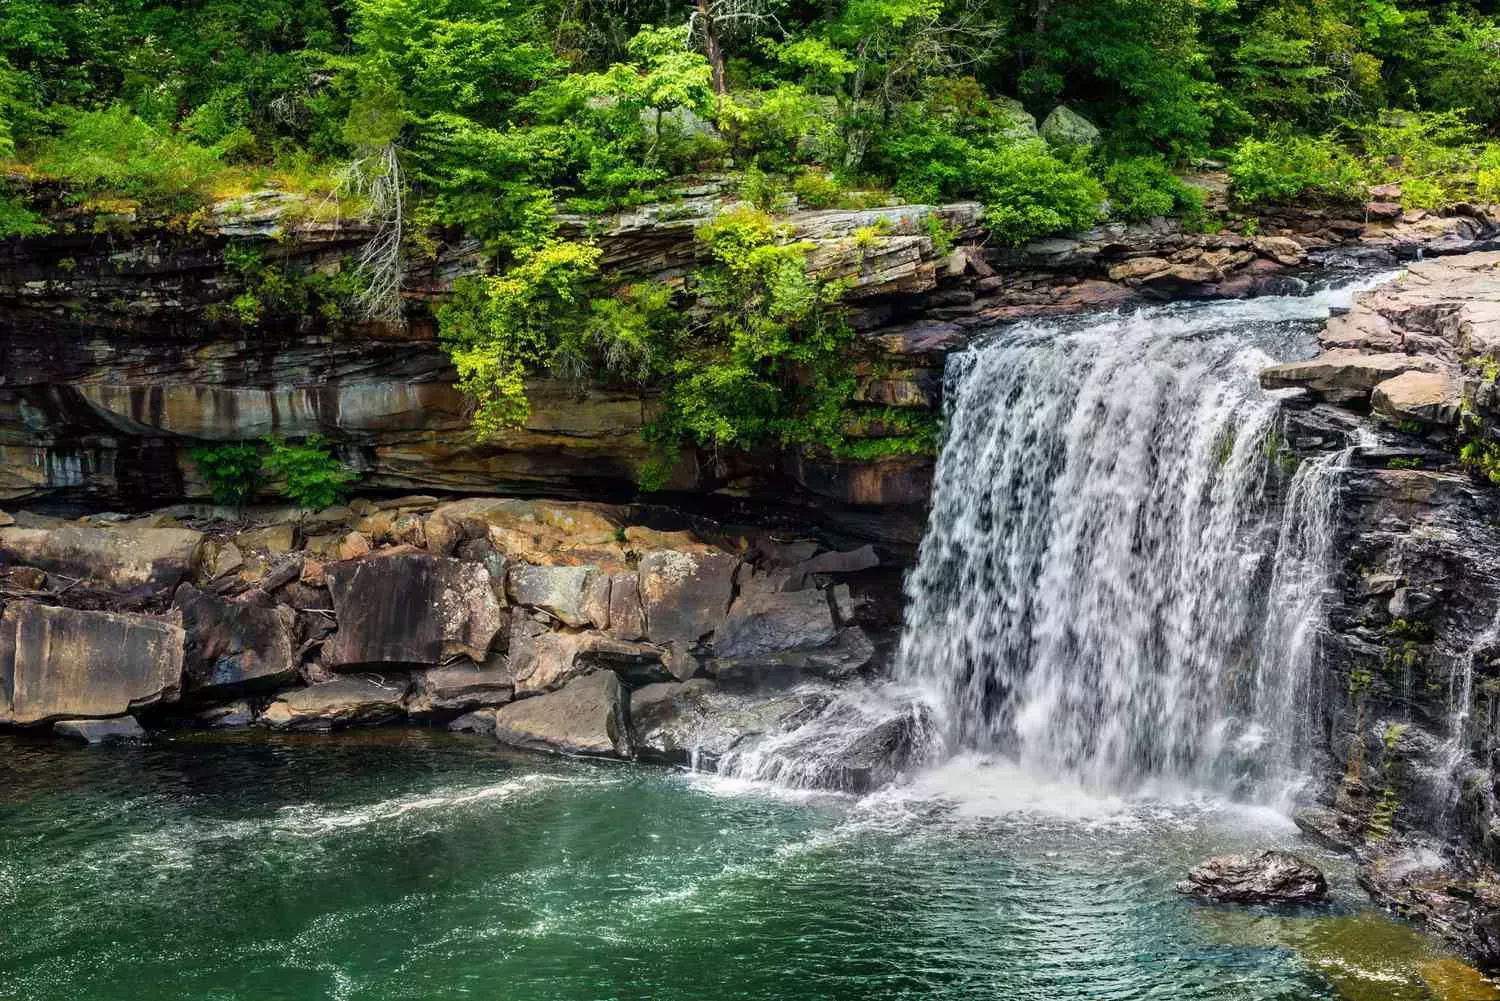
1123	569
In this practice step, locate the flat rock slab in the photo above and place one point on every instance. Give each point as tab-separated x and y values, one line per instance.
587	716
411	610
341	702
1344	375
131	564
121	729
444	692
233	647
1269	877
1430	397
60	663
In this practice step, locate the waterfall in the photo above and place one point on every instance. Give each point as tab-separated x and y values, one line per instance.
1122	573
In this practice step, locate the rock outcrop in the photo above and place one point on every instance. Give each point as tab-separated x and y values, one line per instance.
1267	878
409	610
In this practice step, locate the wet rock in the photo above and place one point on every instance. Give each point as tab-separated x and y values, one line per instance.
862	739
587	716
852	561
233	647
678	722
1430	397
447	691
229	716
1269	877
131	565
352	701
120	729
1281	249
411	610
850	653
58	663
765	623
480	722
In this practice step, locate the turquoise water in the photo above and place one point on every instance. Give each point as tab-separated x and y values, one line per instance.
401	864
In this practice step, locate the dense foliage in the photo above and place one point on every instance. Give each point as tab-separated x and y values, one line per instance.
491	117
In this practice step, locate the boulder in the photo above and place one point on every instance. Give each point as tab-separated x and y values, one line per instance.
549	525
480	722
461	688
1015	122
410	610
767	622
1065	127
233	647
1281	249
698	721
1269	877
542	660
1430	397
353	701
587	716
132	565
271	539
568	594
850	561
120	729
60	663
862	739
685	595
850	653
1343	375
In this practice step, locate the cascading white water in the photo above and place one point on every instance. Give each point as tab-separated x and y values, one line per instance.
1109	589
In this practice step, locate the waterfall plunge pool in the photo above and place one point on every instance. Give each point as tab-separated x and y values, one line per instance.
1102	596
411	864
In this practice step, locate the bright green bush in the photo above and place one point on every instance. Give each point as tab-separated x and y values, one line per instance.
232	471
312	478
114	153
1143	187
1029	193
1287	167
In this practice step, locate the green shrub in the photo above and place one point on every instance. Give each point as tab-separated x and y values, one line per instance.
1487	174
1029	193
112	152
18	220
1143	187
1284	168
312	477
231	471
817	190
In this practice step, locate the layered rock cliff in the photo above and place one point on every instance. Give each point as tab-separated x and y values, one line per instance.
1407	713
124	348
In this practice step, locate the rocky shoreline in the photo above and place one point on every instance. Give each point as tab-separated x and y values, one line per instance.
553	626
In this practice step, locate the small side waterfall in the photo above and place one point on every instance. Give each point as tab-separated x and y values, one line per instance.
1123	569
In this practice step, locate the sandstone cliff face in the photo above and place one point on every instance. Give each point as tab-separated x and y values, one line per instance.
119	358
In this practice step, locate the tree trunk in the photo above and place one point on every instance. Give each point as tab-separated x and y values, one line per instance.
711	47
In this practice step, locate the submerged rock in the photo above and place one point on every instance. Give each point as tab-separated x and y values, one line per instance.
1271	877
57	663
120	729
586	716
